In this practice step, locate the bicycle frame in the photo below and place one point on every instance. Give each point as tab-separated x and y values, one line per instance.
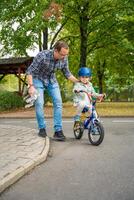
90	118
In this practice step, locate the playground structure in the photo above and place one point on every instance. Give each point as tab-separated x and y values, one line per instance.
16	66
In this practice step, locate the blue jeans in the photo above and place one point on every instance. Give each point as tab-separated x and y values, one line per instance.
54	92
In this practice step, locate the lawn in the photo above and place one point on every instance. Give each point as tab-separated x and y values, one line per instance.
109	109
104	109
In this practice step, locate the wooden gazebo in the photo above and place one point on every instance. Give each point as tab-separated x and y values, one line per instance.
16	66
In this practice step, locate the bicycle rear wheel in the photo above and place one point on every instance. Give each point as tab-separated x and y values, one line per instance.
96	133
78	130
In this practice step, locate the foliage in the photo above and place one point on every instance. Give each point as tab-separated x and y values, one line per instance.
9	83
21	23
99	34
10	100
101	30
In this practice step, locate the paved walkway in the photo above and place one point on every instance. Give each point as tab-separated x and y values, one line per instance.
21	149
29	113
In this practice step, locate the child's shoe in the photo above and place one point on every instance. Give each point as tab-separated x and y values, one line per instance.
77	118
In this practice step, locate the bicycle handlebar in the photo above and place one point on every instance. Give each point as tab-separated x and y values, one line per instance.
90	95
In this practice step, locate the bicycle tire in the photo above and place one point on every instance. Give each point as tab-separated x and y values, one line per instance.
99	133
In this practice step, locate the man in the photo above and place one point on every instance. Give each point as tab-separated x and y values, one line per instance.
41	76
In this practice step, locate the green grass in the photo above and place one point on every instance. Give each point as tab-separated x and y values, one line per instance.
103	109
116	108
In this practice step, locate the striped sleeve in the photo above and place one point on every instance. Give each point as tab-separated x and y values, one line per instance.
66	70
33	68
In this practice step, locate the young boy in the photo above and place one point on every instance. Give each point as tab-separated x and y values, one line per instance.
83	92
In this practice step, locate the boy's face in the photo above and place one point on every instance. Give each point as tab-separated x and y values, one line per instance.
84	79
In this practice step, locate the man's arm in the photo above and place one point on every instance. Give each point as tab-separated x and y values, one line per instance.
31	88
67	72
73	79
33	68
29	79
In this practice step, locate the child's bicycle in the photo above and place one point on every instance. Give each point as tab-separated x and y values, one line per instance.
92	123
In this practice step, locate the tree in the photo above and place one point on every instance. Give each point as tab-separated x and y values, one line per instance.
99	33
94	29
24	24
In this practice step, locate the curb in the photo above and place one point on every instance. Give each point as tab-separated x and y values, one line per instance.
21	171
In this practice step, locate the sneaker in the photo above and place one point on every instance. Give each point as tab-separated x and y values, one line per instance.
58	135
77	118
42	132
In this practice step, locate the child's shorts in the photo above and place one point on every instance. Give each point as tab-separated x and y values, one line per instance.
81	105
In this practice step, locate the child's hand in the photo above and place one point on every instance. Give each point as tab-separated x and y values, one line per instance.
104	95
100	97
78	91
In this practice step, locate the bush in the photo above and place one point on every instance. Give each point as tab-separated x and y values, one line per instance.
10	100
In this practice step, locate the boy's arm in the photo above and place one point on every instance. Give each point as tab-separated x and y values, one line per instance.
75	96
94	93
76	87
97	95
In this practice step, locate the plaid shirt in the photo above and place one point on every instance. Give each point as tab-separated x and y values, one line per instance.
44	67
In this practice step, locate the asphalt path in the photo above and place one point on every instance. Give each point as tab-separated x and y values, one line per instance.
76	170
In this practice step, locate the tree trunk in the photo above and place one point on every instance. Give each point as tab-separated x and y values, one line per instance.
100	73
83	47
40	43
84	20
45	38
100	84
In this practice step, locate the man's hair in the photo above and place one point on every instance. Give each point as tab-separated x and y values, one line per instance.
60	44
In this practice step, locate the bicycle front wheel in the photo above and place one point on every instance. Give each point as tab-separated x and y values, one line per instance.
96	133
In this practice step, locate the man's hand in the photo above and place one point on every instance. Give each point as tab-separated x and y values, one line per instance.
31	90
73	79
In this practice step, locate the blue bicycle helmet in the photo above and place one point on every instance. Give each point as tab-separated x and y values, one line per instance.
84	71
